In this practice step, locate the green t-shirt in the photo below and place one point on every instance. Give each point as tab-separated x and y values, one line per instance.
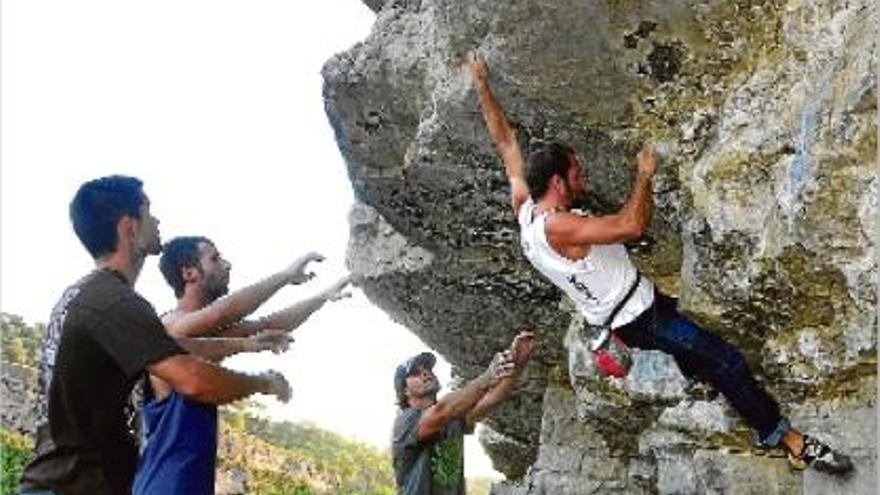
433	466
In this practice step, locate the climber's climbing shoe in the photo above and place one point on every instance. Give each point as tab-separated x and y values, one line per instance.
822	458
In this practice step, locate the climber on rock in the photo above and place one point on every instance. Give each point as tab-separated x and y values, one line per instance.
584	256
427	438
179	455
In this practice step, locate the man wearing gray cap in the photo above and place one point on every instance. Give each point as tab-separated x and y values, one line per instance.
427	442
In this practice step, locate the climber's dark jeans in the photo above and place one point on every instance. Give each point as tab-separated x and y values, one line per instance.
705	357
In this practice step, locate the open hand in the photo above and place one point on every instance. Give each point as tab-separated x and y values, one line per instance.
296	273
275	340
276	385
338	290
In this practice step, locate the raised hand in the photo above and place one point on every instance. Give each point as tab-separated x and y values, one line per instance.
275	340
479	70
338	290
502	366
522	347
296	273
276	385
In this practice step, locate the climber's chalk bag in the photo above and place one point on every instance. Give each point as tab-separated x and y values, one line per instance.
611	356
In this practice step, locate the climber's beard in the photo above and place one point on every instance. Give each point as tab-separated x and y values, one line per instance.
581	201
578	196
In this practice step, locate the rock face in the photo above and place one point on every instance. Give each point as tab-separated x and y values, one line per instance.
18	393
765	205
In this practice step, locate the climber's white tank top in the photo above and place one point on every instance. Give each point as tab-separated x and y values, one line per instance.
595	283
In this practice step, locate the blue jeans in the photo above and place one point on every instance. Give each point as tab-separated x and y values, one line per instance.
705	357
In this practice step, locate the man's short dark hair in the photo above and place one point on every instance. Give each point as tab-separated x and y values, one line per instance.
177	254
547	160
98	206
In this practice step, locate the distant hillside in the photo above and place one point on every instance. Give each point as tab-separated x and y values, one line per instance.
297	458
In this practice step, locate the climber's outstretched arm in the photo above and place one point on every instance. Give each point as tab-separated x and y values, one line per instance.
502	134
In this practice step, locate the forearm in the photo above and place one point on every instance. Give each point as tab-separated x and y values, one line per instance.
245	301
242	328
212	319
457	404
223	386
207	382
500	130
496	395
637	208
214	349
493	115
521	350
293	316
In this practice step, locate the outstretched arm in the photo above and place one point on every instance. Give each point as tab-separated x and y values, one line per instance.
293	316
235	306
458	403
215	349
521	349
207	382
502	134
241	328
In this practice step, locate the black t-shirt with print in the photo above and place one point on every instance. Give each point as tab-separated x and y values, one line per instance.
432	466
100	338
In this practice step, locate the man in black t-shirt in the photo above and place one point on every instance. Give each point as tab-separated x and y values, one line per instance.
101	340
427	440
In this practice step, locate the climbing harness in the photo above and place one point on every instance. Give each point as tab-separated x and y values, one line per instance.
611	356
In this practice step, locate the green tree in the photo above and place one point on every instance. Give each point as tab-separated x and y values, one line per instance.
15	451
20	342
14	351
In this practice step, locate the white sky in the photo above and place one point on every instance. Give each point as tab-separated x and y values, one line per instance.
216	105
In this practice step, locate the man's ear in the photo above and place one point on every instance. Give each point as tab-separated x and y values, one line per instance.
189	274
125	229
557	182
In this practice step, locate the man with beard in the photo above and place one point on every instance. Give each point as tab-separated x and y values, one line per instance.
101	338
427	444
584	256
180	449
